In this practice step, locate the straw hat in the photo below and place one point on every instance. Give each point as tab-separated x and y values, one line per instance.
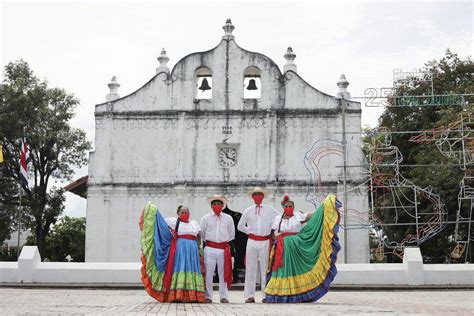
218	197
258	190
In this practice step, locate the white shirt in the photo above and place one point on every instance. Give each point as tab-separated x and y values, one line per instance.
257	220
289	225
217	228
190	228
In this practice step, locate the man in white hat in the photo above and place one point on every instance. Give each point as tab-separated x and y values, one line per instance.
256	221
217	229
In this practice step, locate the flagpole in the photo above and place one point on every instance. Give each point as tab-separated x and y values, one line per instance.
19	206
19	228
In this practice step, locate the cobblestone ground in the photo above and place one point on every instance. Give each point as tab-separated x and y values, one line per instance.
27	301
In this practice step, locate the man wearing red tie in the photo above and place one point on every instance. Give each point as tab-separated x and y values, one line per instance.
256	221
217	229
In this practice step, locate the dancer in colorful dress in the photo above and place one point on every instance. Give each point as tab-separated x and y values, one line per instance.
171	267
303	258
256	221
217	230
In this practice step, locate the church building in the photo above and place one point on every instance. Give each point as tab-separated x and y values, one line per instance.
221	121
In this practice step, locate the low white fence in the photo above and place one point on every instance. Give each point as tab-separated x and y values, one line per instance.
30	269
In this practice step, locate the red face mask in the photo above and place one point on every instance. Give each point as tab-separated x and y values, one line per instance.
257	199
217	208
289	210
184	217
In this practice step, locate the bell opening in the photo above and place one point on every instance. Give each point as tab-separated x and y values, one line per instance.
204	87
252	87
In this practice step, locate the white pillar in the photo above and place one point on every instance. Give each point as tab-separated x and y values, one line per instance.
413	262
289	57
342	84
163	60
228	29
28	262
113	86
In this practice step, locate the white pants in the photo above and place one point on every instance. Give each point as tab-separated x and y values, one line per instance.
213	256
257	252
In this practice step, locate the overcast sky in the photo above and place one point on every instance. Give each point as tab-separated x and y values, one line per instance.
79	46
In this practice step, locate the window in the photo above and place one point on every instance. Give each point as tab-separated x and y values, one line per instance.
252	84
203	83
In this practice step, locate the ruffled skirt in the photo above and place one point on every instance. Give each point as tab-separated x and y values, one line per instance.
187	282
308	259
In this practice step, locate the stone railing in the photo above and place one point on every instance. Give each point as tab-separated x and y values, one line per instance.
412	272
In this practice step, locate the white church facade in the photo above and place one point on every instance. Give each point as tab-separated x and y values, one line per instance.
220	122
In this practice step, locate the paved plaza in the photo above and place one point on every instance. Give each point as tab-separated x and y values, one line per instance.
33	301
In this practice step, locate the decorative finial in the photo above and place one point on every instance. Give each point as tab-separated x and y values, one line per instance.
228	29
342	84
290	57
163	60
113	86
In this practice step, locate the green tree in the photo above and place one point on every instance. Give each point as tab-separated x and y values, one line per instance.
8	253
67	237
28	104
450	75
8	207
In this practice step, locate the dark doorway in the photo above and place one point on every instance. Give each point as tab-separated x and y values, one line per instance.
239	245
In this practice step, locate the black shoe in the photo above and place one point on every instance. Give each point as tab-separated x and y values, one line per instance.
250	300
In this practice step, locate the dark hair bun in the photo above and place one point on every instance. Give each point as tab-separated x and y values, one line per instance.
286	198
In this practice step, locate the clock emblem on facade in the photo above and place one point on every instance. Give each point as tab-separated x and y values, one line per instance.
227	155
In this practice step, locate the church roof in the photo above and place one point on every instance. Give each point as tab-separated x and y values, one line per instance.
78	187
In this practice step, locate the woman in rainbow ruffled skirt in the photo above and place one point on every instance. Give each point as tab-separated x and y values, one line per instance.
172	265
303	257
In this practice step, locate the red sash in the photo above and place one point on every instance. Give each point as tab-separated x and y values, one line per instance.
280	246
169	265
227	259
187	236
258	238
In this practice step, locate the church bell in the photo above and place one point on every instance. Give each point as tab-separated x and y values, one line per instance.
252	85
204	85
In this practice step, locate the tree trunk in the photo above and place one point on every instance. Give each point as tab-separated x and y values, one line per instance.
39	225
40	239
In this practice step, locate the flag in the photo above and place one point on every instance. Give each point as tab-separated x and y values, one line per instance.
1	153
24	160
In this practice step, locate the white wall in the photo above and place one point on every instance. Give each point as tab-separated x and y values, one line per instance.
30	269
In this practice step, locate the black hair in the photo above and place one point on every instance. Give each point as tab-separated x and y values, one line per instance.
284	202
178	220
281	219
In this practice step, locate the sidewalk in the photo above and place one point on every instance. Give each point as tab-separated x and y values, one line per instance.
23	301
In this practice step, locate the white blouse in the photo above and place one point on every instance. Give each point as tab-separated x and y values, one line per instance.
190	228
289	225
